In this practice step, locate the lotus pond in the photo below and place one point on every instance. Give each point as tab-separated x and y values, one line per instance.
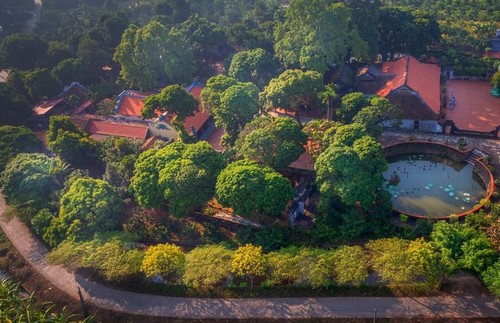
431	186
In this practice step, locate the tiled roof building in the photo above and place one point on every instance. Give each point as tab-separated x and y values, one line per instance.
411	85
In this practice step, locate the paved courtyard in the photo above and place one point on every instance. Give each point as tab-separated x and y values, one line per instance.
475	109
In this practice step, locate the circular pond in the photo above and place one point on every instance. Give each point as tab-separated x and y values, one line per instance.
434	186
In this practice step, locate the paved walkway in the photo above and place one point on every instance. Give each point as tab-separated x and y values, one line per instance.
277	308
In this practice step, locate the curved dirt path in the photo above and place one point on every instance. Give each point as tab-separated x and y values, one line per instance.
217	308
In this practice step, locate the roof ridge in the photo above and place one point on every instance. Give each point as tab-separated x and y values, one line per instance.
407	69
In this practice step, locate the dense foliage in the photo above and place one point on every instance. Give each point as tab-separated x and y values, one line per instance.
273	142
14	140
30	177
17	307
89	206
251	189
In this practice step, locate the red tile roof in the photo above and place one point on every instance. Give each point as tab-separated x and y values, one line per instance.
199	117
493	54
46	106
214	139
81	122
304	162
421	78
105	128
84	106
130	103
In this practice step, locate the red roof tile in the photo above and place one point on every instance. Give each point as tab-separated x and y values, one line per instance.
104	128
130	106
130	103
421	78
84	106
47	106
304	162
214	139
81	122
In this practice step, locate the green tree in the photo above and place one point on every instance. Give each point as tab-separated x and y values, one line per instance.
378	111
207	266
207	39
274	142
403	31
14	140
144	182
73	69
41	221
238	105
153	55
350	105
350	265
176	11
291	89
354	173
68	141
389	260
248	261
264	190
256	66
14	109
119	156
491	278
183	174
166	260
22	51
32	177
314	35
175	100
463	246
116	260
89	206
365	17
189	181
291	266
426	262
41	83
216	85
321	133
495	79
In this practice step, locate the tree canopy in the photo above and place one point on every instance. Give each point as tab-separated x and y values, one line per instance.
89	206
166	260
154	55
251	189
183	174
32	177
314	35
189	181
255	65
291	89
14	140
351	167
175	100
232	104
14	108
207	266
248	261
69	141
22	51
274	142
